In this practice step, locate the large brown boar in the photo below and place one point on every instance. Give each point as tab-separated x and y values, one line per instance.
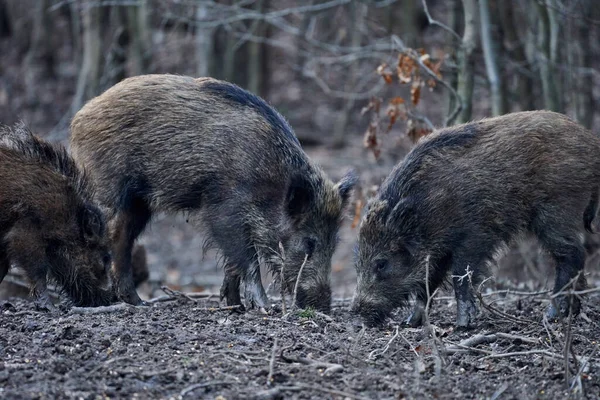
169	143
48	225
465	192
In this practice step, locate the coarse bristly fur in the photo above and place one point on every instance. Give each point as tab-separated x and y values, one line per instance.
466	191
48	225
170	143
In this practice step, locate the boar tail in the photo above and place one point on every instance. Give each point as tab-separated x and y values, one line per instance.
590	211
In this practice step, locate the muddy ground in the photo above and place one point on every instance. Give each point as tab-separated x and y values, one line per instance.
182	347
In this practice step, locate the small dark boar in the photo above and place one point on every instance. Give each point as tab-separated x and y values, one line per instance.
169	143
465	192
48	224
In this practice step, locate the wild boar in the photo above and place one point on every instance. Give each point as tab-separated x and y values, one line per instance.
48	224
166	143
464	192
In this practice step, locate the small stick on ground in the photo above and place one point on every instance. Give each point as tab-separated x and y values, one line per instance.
272	363
379	352
470	343
525	353
329	367
277	391
282	283
191	388
177	294
101	310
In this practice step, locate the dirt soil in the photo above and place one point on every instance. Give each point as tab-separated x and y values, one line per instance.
181	347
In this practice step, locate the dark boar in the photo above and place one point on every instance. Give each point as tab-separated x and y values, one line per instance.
465	192
48	224
177	144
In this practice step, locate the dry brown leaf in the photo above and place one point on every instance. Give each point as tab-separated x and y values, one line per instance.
415	92
385	73
357	209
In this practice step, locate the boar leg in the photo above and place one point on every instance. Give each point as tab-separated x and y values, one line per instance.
34	263
254	291
230	290
569	255
128	225
4	263
417	316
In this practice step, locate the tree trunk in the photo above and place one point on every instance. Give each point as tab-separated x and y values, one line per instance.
140	46
88	83
465	60
204	43
5	26
39	61
516	51
255	69
115	67
586	36
491	58
408	19
75	25
455	24
544	59
359	15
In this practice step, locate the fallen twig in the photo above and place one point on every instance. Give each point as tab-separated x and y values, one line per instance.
276	392
525	353
195	386
329	367
470	343
272	363
101	310
379	352
499	313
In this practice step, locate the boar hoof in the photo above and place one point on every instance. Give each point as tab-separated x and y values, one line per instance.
131	297
466	313
255	297
44	304
563	308
416	317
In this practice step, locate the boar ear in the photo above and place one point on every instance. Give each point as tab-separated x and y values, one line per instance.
300	196
377	211
346	184
401	210
91	222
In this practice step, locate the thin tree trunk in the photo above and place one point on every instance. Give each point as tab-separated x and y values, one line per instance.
516	51
255	49
116	60
408	19
544	59
466	62
88	83
39	60
140	47
359	15
75	23
204	42
455	25
5	22
586	103
491	58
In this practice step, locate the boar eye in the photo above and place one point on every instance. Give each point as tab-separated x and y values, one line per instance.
106	259
381	265
309	246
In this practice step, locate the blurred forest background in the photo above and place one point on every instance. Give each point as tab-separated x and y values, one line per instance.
359	81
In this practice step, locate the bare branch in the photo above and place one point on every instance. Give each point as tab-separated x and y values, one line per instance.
438	23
